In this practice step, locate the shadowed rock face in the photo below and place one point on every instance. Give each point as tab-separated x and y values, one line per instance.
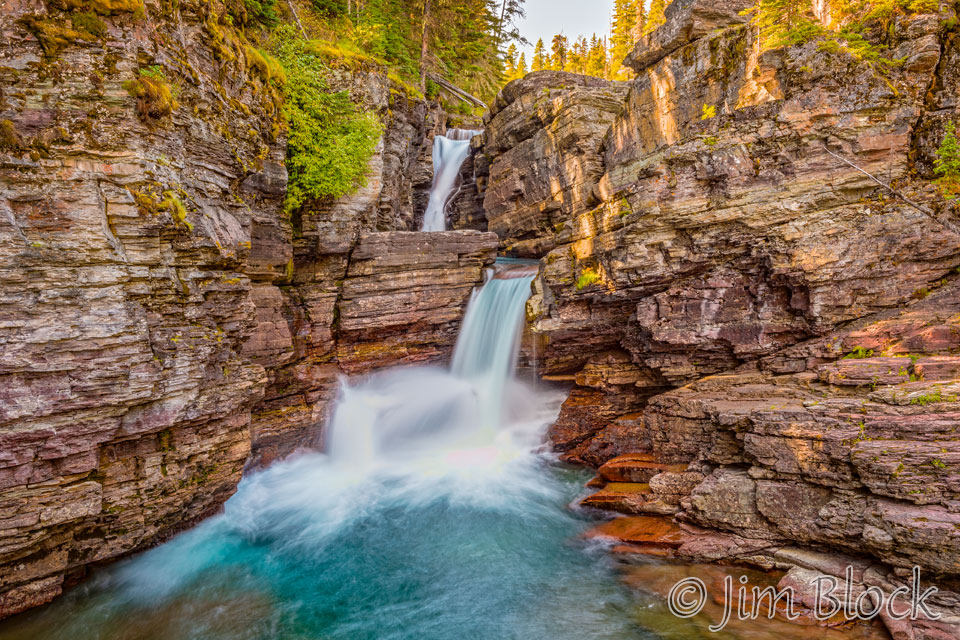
147	353
704	236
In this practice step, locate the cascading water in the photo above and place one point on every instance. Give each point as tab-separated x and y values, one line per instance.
431	516
449	153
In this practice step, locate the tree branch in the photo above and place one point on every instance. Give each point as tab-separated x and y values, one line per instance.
296	17
946	223
457	91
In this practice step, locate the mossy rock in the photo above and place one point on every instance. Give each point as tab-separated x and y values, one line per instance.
89	22
9	138
103	7
53	34
155	96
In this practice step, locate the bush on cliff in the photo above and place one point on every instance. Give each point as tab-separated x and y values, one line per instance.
156	97
329	140
857	27
947	164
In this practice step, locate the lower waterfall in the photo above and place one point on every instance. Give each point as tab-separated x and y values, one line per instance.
433	514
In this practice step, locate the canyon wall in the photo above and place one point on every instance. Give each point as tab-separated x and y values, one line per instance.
734	295
163	323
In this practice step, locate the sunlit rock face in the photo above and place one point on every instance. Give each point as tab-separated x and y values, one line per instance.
543	141
715	227
709	271
148	351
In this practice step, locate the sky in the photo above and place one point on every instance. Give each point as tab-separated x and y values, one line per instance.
572	18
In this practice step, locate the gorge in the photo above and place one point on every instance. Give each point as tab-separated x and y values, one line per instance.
743	313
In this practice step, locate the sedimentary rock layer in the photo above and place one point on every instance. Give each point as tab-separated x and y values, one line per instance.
161	319
732	292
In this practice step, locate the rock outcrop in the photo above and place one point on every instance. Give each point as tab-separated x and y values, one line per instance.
732	292
395	298
697	243
162	323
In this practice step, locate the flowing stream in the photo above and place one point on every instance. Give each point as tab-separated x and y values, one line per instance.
449	153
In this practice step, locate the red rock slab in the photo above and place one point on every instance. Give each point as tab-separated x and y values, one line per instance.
625	497
635	467
938	368
641	531
596	483
857	372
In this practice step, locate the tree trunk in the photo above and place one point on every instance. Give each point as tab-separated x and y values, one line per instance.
503	16
423	46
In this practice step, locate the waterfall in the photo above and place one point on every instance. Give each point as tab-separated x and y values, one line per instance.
431	515
402	411
486	351
449	153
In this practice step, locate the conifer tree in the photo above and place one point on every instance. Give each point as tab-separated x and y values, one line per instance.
641	20
510	62
947	164
559	51
521	68
539	62
621	39
783	23
656	16
578	56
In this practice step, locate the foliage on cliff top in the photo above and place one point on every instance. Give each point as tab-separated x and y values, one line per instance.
329	140
463	41
785	23
947	164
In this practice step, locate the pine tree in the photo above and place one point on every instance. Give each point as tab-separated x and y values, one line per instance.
638	24
510	12
510	62
521	68
597	58
783	23
621	40
947	164
539	62
578	56
656	16
559	49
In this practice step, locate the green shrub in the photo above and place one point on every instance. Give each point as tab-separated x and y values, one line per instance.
859	353
929	398
947	164
432	90
588	277
330	8
261	11
329	141
156	98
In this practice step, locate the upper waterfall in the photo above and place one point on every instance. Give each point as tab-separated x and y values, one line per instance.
449	153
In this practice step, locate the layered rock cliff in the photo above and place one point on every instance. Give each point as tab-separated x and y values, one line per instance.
162	323
735	295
